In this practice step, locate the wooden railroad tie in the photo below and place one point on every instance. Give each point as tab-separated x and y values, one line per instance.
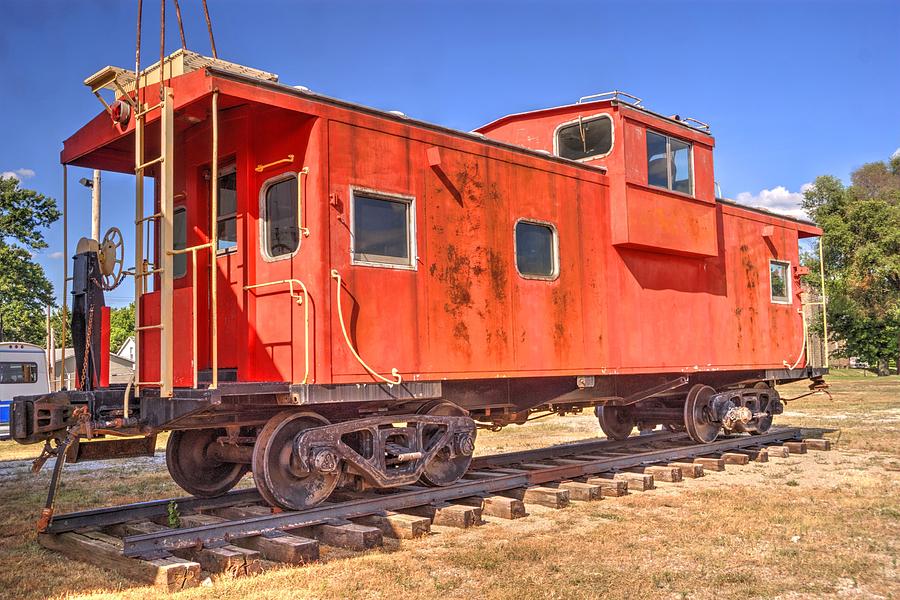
796	447
396	525
711	463
756	455
277	547
778	451
817	444
443	514
609	486
501	507
540	495
637	482
689	469
660	473
581	491
168	574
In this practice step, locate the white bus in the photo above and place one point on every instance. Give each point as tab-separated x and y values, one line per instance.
23	372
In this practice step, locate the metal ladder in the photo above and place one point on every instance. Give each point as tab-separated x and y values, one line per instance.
163	221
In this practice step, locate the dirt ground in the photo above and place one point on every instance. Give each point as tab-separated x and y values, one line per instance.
823	524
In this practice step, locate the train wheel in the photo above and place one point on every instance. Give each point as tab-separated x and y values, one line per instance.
697	413
191	467
279	480
616	422
765	423
443	469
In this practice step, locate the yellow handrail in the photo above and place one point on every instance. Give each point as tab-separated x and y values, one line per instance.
394	372
300	174
301	300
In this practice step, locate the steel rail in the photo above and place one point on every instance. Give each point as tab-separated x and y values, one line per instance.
115	515
153	545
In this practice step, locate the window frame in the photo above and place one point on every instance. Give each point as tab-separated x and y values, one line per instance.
612	136
263	220
183	209
22	364
788	283
671	183
410	201
554	246
228	169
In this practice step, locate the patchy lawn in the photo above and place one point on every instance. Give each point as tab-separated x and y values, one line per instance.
807	526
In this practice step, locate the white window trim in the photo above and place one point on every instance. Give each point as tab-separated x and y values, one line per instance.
371	260
555	274
612	135
670	184
788	276
264	230
227	170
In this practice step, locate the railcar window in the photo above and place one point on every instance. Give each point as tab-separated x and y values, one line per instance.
669	163
226	220
179	242
16	372
282	227
779	281
382	229
536	249
586	139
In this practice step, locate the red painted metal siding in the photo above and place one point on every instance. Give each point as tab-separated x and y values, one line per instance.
649	280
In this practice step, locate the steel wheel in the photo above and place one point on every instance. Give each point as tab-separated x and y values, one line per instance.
193	469
442	469
697	415
274	467
765	423
616	422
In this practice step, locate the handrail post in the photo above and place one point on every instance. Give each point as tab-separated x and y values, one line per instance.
824	301
166	209
65	285
214	241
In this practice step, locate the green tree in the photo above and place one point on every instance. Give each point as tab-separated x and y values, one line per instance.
24	288
121	326
862	259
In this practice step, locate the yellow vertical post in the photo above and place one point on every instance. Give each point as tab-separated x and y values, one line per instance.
214	243
194	313
166	205
65	285
138	237
824	301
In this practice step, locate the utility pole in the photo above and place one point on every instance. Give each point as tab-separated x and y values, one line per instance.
1	317
95	206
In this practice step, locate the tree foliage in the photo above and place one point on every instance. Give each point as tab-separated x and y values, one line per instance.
24	288
862	258
121	326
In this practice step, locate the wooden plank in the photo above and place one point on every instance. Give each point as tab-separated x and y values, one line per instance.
348	535
637	482
796	447
734	458
754	454
279	547
662	473
169	574
817	444
688	469
496	506
542	496
397	526
581	491
448	515
609	486
711	463
778	451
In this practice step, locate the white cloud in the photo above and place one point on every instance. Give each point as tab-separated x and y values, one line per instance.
55	255
19	174
896	154
777	200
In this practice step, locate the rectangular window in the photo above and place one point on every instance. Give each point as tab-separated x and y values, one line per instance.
587	138
669	163
16	372
179	241
780	281
536	250
281	233
383	229
226	220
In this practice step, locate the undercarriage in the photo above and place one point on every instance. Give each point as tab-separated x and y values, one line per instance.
303	443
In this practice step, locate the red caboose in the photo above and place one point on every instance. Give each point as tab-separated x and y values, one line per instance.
327	292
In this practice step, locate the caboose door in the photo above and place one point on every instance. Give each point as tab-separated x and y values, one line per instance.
230	260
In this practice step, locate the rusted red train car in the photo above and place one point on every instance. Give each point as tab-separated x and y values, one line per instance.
329	293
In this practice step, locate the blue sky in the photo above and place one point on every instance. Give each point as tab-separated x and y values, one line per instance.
792	89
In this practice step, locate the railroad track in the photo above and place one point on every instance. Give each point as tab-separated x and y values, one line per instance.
235	532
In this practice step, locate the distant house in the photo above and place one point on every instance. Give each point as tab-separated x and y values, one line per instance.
126	350
121	369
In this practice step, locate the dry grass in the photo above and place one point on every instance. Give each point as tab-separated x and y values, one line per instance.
823	524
